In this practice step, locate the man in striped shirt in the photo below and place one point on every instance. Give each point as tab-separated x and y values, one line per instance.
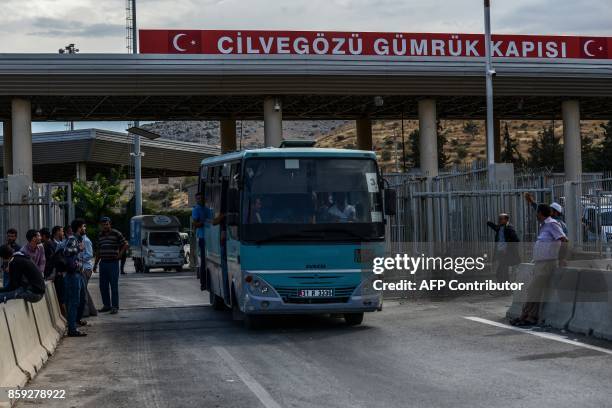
111	246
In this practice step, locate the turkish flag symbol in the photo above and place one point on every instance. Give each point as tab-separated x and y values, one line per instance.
184	42
593	47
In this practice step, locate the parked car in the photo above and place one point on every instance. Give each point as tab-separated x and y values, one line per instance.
597	224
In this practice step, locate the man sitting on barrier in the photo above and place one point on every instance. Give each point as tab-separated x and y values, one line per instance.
26	281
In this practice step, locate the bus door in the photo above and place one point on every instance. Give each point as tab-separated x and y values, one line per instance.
223	232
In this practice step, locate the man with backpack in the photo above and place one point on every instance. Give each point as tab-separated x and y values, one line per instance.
26	281
74	288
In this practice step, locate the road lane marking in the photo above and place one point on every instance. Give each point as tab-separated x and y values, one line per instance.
256	388
549	336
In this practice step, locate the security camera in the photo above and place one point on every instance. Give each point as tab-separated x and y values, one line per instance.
277	105
492	72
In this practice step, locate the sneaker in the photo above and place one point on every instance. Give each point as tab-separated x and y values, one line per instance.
77	333
104	309
114	310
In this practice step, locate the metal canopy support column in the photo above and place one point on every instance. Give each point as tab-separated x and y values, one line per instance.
81	171
573	168
273	122
364	133
22	138
571	140
428	134
7	161
227	128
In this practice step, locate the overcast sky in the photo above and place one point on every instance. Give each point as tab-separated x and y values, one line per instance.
99	25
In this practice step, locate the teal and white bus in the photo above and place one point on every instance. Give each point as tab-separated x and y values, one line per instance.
298	227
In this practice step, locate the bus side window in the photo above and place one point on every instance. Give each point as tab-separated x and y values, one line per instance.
233	185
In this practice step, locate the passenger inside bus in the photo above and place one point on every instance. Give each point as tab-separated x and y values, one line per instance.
341	210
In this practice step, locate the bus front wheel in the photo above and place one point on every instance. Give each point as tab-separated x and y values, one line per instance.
353	319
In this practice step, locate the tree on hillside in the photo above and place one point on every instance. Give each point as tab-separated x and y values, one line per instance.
604	150
471	128
546	150
510	152
590	160
415	150
415	155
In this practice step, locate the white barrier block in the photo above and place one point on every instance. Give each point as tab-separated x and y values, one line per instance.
524	274
593	309
49	337
558	306
11	375
59	322
30	354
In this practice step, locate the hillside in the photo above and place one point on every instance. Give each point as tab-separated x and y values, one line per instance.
465	139
251	135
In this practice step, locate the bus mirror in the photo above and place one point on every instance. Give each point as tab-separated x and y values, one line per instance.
144	242
390	202
233	200
232	219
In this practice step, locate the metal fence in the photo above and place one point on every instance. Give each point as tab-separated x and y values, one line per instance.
44	205
454	208
591	201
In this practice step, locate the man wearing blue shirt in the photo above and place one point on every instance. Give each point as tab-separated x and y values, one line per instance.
200	216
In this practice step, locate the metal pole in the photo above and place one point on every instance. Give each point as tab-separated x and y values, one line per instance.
134	29
137	153
403	143
395	148
137	176
489	80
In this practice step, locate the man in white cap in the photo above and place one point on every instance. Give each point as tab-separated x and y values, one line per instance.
556	210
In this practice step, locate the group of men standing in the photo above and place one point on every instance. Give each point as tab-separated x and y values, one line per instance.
64	256
549	252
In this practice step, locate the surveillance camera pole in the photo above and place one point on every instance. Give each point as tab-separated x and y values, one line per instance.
489	84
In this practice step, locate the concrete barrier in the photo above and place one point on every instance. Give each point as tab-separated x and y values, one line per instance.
523	274
54	308
11	375
47	334
558	303
593	307
558	307
29	353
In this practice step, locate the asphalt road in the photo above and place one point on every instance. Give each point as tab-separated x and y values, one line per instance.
168	348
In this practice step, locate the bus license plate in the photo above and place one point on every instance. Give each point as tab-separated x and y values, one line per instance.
316	293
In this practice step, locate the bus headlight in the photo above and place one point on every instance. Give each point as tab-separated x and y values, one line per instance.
259	287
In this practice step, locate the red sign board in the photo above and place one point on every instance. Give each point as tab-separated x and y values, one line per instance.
220	42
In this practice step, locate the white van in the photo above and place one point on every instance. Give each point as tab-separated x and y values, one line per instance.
155	242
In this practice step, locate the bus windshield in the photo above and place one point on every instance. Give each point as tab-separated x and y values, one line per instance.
306	199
